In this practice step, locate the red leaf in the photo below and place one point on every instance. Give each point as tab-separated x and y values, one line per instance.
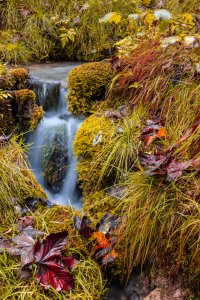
152	132
176	168
52	248
68	262
49	273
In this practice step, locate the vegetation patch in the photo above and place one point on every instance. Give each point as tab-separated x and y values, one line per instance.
87	84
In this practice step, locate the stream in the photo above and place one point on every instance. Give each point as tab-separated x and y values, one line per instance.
48	82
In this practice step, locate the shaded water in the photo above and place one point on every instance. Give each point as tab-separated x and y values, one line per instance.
48	83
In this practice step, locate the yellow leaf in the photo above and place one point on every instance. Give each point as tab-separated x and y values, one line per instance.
111	17
187	18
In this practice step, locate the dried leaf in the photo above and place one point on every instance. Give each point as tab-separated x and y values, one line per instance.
4	243
30	231
113	114
116	191
24	222
108	223
98	138
24	275
176	168
25	248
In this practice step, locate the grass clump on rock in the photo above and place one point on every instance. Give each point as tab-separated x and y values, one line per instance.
87	84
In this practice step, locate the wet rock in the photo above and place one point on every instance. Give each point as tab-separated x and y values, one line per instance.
47	93
168	289
20	110
14	80
138	287
55	157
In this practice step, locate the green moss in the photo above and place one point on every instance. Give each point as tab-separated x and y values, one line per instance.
87	84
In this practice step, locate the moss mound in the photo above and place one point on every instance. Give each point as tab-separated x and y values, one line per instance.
86	151
87	84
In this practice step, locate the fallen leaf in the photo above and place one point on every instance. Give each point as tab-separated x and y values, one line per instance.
25	248
4	243
113	114
68	262
24	222
153	131
24	275
108	223
49	273
98	138
155	164
176	168
116	191
83	225
107	252
30	231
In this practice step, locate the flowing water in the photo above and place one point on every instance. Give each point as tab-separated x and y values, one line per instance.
48	83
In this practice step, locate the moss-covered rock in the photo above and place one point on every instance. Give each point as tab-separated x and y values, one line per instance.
55	157
13	80
87	84
86	151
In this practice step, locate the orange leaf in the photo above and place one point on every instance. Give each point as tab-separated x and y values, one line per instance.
162	132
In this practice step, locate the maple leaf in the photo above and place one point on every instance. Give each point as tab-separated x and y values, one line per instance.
49	273
176	168
25	248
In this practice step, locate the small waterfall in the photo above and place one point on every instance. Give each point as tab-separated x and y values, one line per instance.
54	133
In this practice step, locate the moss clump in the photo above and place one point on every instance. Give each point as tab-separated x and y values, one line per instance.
87	84
55	157
21	75
24	96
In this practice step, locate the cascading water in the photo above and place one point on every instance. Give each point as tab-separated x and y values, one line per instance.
53	139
